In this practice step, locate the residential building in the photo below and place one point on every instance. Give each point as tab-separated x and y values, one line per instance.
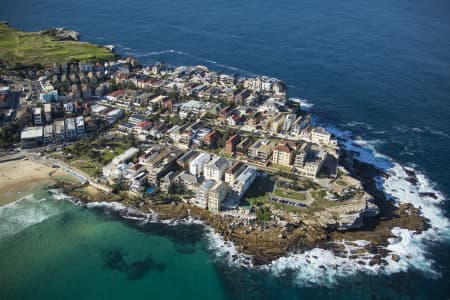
161	164
185	160
231	143
313	164
216	168
37	116
31	137
59	131
185	182
167	182
196	166
210	139
48	112
48	134
302	155
243	182
216	195
283	153
243	146
288	122
261	150
233	172
202	195
320	136
71	131
81	130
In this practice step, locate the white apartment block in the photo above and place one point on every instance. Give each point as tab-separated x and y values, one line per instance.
196	166
216	195
216	168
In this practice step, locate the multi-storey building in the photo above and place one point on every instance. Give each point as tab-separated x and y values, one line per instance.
216	168
216	195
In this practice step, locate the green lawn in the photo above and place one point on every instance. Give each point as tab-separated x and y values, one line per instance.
281	167
290	194
89	167
29	48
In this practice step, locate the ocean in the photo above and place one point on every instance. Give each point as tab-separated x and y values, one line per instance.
377	73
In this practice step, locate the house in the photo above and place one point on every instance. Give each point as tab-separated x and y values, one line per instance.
202	195
230	144
283	153
216	168
217	195
114	115
31	137
232	172
320	136
136	119
196	165
126	127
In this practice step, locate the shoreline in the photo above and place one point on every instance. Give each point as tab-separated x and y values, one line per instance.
19	178
266	243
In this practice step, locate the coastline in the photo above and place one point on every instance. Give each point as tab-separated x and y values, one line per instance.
264	244
19	178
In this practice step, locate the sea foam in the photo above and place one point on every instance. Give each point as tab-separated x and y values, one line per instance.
23	213
402	185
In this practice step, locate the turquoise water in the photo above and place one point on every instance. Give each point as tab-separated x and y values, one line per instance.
79	253
380	69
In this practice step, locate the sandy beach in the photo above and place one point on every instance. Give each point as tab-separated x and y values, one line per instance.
21	177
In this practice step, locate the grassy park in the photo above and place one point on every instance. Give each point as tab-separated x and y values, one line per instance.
19	48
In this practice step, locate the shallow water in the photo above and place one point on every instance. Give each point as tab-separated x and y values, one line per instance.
379	69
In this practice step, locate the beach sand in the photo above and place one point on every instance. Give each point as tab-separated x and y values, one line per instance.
21	177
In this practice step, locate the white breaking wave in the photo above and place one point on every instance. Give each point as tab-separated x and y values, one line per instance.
226	250
23	213
404	185
355	124
304	104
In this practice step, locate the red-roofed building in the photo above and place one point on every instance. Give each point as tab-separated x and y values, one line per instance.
211	138
230	144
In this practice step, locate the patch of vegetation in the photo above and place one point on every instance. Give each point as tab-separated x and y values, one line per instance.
19	49
289	194
281	167
259	191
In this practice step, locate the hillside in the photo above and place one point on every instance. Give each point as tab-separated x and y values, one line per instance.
30	48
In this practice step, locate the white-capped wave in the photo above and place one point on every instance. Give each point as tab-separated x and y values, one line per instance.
226	250
304	104
23	213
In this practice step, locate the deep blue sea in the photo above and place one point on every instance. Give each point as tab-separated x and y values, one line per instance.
377	69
